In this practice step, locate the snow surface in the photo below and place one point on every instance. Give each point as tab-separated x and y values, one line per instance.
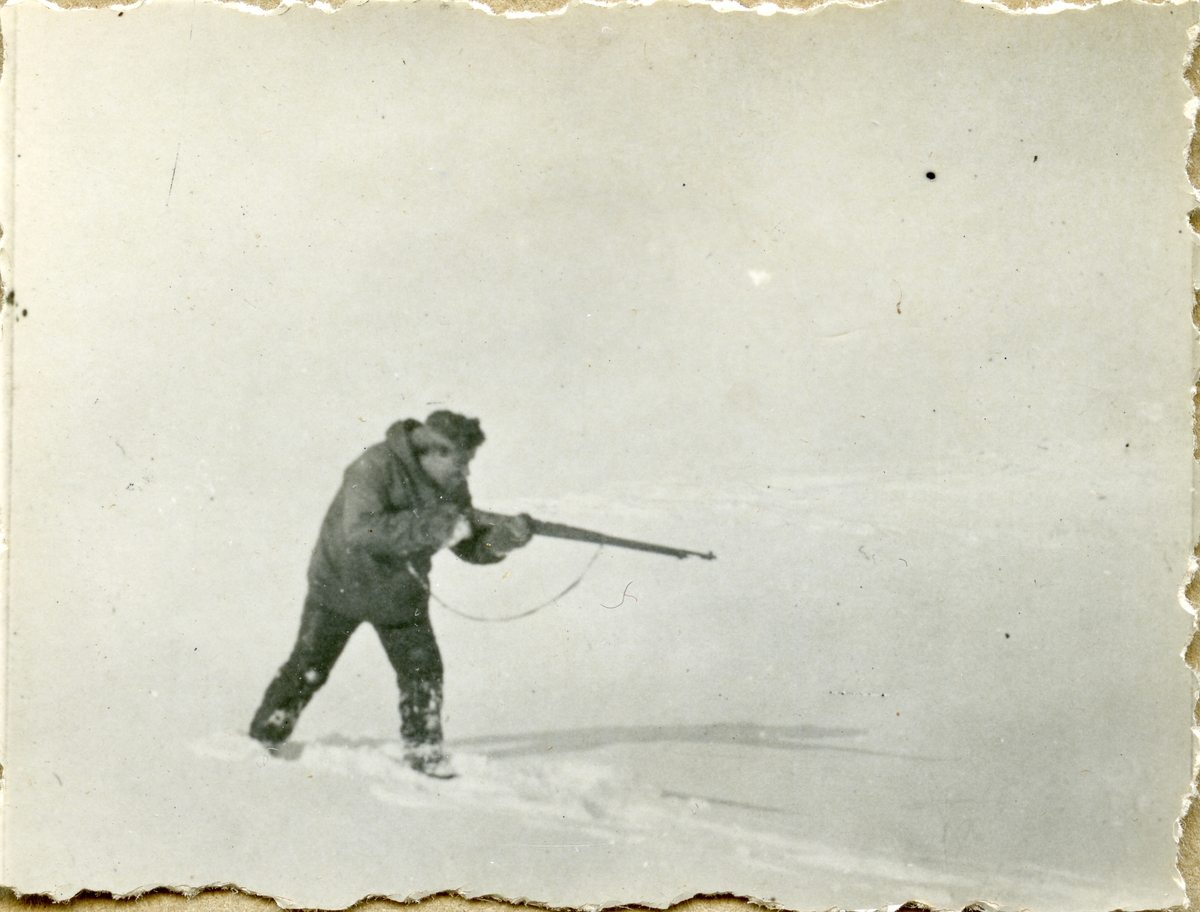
792	736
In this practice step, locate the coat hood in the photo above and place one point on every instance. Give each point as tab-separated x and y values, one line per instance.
399	443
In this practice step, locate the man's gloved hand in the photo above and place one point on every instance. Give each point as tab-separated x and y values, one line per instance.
444	525
509	533
462	530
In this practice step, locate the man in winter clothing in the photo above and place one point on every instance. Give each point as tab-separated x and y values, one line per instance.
400	502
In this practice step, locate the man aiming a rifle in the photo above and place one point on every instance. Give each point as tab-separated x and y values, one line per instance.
400	502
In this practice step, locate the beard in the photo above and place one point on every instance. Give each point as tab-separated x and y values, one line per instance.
455	492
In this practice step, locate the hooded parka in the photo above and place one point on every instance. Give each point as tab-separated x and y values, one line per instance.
375	548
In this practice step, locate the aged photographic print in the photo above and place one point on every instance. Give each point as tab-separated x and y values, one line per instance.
599	458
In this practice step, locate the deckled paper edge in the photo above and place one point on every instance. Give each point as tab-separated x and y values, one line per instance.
230	898
1187	829
523	9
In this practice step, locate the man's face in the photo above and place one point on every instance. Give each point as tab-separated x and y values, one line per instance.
446	464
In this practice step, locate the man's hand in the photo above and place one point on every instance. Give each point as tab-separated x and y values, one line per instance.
462	530
445	525
509	533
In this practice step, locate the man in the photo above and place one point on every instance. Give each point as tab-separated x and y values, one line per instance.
400	502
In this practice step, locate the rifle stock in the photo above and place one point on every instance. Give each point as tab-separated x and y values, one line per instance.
574	533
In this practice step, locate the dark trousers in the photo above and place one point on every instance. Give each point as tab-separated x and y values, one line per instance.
410	648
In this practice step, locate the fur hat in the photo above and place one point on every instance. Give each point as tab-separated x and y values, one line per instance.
465	433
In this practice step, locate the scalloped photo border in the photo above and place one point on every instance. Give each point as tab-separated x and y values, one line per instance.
230	898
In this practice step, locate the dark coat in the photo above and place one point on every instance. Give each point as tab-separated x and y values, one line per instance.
373	555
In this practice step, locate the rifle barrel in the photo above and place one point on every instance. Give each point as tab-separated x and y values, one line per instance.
574	533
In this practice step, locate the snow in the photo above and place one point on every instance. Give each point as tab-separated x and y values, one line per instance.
790	737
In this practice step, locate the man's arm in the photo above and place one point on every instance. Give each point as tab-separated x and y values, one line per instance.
492	540
370	523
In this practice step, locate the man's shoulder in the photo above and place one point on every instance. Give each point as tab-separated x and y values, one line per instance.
377	459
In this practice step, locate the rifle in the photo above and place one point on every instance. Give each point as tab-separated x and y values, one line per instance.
573	533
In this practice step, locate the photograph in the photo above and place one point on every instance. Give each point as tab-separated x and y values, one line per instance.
599	458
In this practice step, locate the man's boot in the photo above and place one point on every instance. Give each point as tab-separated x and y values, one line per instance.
272	728
430	760
421	728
